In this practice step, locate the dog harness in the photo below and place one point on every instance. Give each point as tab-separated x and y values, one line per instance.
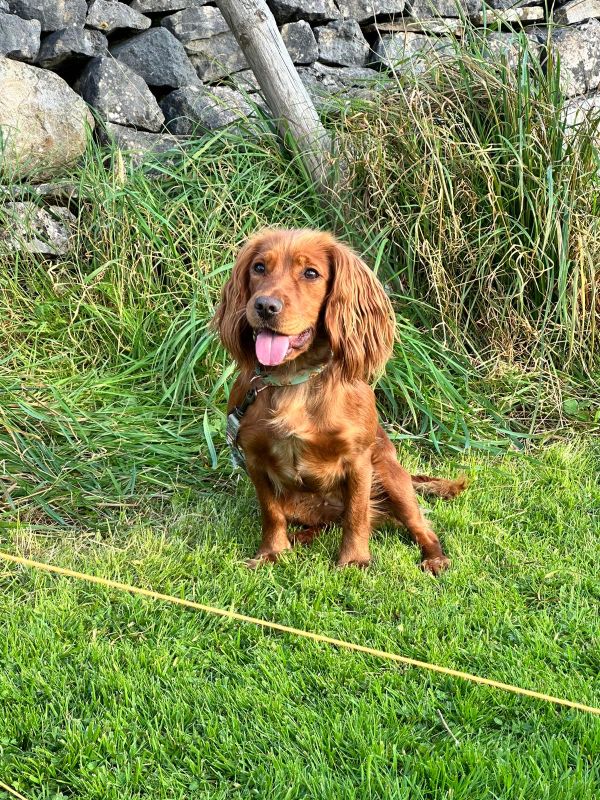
234	418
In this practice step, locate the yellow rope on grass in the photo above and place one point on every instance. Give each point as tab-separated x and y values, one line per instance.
315	637
9	790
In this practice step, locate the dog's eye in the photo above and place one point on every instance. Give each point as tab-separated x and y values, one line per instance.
311	274
259	268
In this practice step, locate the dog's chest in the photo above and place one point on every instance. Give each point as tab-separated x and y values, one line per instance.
292	445
304	456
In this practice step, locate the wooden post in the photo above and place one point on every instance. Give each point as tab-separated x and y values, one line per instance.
254	27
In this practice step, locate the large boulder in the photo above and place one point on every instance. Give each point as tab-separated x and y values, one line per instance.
578	48
53	15
310	10
44	123
71	43
19	38
158	57
201	109
119	94
300	42
111	15
341	43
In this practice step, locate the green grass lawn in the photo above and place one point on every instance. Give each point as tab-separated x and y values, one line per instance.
104	695
481	215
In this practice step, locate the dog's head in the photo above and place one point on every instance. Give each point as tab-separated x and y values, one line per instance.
292	288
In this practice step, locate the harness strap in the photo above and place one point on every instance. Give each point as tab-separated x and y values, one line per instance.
235	416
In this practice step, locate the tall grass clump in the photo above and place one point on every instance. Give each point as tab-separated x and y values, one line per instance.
491	207
88	432
461	187
112	387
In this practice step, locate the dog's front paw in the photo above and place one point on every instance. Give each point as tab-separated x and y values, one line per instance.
435	566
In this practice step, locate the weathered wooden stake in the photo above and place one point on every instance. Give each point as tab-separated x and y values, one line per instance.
254	27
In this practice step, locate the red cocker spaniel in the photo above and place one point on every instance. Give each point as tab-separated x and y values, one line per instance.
309	326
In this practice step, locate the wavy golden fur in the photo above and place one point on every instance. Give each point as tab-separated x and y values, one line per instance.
315	451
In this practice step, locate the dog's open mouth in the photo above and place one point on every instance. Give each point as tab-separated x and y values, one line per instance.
272	347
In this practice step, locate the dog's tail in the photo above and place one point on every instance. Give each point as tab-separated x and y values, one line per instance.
439	487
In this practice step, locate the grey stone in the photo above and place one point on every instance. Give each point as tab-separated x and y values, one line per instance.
310	10
119	94
110	15
19	38
164	6
523	14
300	42
363	10
581	109
453	25
56	193
411	51
577	11
432	9
245	80
579	54
36	230
336	78
201	109
4	5
54	15
71	43
341	42
195	23
44	123
503	5
141	146
327	85
507	47
158	57
216	57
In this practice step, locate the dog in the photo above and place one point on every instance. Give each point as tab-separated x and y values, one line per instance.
310	326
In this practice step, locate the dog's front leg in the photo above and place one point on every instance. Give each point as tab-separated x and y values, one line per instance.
274	523
357	513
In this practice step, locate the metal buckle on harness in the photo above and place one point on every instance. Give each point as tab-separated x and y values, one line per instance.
233	426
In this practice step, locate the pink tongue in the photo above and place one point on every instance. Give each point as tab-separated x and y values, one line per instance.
271	348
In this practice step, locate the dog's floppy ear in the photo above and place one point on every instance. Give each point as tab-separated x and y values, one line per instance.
359	318
230	317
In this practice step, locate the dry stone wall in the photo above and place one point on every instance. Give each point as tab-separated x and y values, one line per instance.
158	69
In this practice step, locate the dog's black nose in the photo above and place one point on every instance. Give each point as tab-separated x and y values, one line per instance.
267	306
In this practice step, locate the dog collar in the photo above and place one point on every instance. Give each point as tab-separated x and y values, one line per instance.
300	377
234	418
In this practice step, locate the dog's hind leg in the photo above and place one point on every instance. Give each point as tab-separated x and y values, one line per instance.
399	498
312	514
306	534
